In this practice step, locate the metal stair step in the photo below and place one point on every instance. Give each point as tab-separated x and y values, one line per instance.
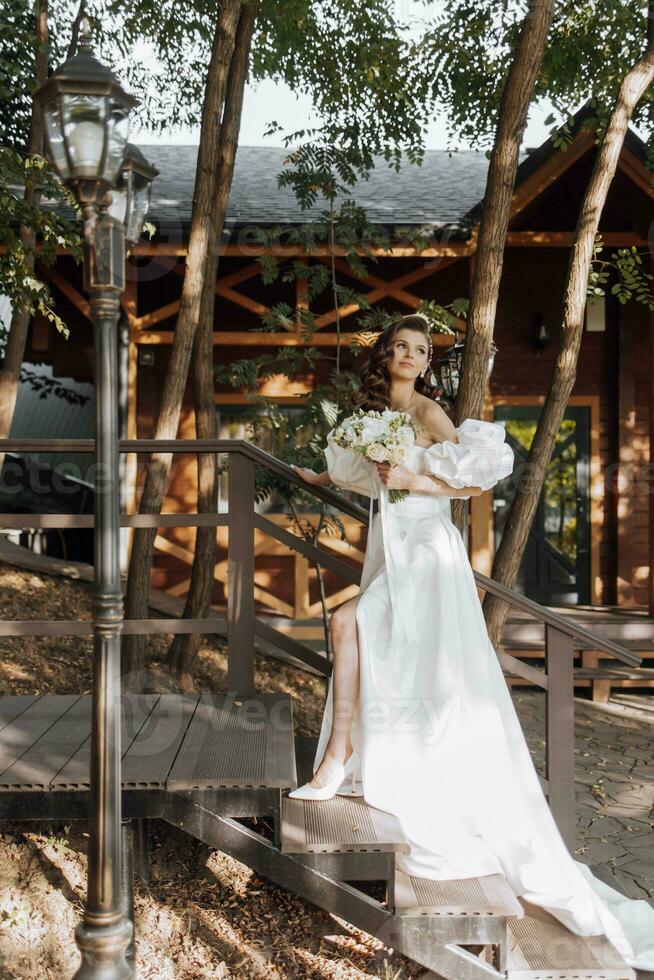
486	895
340	825
541	948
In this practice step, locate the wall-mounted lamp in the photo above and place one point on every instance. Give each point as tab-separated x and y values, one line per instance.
541	337
449	369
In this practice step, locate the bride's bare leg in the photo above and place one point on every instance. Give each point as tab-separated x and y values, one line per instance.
345	689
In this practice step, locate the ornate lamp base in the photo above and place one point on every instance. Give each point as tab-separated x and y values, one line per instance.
103	951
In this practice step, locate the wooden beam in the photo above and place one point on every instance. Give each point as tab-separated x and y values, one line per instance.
538	182
564	239
239	299
51	274
636	170
163	313
256	338
383	288
233	278
224	288
457	248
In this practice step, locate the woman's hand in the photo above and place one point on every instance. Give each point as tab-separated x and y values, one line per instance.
435	487
316	479
445	490
398	477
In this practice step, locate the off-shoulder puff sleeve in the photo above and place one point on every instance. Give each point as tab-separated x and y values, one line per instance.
481	457
350	470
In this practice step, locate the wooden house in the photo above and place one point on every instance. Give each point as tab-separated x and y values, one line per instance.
592	542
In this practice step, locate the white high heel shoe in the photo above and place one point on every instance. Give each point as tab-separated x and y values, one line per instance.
327	791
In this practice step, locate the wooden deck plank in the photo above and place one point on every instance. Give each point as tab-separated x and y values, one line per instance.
541	947
225	744
280	745
134	709
13	705
148	760
48	754
486	895
27	727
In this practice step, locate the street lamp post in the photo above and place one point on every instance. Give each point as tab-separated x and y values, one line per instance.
86	122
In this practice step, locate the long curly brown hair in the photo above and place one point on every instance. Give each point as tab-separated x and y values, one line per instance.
373	395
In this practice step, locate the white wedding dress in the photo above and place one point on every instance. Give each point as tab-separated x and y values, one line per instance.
438	739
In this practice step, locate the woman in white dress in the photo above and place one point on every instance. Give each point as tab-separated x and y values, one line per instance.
418	712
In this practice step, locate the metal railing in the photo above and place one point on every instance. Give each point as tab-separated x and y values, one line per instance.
242	625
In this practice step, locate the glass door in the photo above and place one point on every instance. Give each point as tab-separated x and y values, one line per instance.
555	569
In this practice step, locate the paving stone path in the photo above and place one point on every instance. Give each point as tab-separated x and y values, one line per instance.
614	766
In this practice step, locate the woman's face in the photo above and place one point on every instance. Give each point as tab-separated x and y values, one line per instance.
409	354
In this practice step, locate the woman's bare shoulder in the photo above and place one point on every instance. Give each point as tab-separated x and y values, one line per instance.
434	419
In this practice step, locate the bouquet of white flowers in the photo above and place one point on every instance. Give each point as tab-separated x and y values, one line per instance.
383	437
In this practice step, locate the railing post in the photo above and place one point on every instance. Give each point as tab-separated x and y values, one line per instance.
559	722
240	575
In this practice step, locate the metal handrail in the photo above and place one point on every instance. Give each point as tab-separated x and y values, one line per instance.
242	624
585	638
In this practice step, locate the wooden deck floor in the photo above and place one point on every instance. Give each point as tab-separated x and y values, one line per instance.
170	742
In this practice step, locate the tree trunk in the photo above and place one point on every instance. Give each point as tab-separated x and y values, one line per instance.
185	647
20	320
202	233
525	503
496	209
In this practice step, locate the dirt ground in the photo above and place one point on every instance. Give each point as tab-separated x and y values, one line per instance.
202	914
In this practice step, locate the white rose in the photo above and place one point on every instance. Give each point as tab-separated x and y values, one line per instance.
375	433
376	452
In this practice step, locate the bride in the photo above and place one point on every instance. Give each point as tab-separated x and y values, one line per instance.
418	712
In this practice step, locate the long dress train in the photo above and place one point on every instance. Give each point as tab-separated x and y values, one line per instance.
438	739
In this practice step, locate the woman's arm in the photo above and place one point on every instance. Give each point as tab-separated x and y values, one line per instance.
423	483
400	477
315	479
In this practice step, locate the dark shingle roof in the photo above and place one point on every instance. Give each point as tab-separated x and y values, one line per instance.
439	192
446	190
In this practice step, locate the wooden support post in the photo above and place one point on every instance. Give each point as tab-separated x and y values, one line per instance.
240	575
626	483
600	688
301	599
301	302
559	723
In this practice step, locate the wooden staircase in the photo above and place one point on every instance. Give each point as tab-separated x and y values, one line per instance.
209	763
431	921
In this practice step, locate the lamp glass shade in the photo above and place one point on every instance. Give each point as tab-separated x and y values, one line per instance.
55	138
117	132
118	207
139	203
84	133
